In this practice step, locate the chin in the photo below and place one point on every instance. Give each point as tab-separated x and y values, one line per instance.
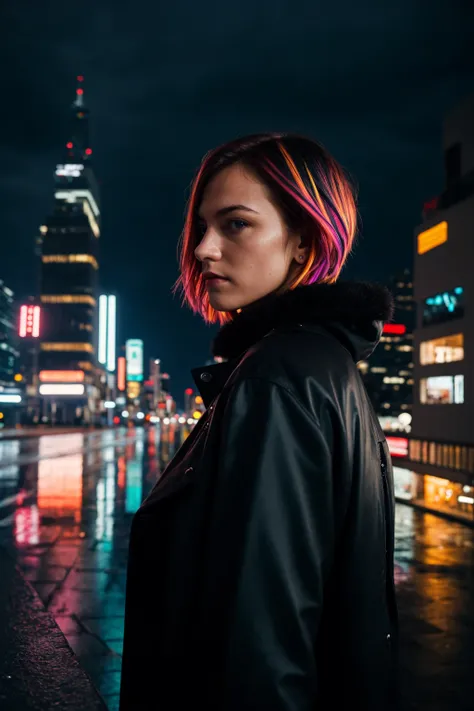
223	304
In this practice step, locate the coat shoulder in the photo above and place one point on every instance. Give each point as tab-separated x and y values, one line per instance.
309	362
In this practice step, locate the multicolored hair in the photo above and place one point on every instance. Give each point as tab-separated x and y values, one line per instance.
311	189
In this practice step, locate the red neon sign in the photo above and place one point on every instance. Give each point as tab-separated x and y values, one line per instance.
121	368
188	391
396	329
36	322
29	321
398	446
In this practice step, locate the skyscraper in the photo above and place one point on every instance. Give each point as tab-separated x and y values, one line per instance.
69	271
10	393
388	375
437	469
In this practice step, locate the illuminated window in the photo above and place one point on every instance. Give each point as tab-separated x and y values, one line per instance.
394	381
443	307
84	365
442	350
378	370
67	299
404	349
432	454
85	327
70	258
434	237
442	390
66	347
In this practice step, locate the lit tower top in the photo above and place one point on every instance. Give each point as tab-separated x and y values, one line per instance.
78	146
74	177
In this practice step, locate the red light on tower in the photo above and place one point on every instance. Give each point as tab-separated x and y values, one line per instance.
88	151
79	92
188	391
69	145
395	329
80	78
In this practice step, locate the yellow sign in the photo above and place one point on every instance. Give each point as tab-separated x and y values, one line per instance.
198	400
429	239
197	415
18	377
133	390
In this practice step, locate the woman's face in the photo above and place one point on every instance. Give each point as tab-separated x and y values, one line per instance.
245	241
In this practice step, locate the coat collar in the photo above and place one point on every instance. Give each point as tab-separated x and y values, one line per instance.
354	311
210	379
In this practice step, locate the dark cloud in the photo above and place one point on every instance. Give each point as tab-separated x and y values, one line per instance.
372	81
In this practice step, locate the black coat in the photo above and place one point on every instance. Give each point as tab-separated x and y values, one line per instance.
261	565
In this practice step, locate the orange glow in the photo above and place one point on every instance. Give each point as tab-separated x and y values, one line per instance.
122	472
429	239
60	486
121	368
61	376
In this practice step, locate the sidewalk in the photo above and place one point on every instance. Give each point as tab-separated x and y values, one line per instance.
38	670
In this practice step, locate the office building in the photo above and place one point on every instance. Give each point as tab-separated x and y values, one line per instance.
437	459
388	374
11	391
69	279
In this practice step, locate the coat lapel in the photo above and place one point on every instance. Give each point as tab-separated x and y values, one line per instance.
210	379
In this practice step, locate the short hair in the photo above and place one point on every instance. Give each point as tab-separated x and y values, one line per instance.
313	192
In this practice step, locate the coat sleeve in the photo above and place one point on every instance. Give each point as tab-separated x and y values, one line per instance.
274	511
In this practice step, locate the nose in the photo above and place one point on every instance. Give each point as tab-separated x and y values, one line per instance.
208	248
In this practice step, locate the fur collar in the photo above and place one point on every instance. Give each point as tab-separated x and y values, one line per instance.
359	308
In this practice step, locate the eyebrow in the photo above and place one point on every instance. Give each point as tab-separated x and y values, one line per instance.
231	208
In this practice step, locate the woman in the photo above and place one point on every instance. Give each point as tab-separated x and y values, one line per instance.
261	565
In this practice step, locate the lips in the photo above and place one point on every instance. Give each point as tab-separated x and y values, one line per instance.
211	276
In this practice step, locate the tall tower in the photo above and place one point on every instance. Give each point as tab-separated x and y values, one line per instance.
69	271
388	375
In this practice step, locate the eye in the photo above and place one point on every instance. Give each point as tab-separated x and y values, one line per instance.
237	225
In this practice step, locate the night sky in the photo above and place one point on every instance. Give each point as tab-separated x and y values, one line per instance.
371	81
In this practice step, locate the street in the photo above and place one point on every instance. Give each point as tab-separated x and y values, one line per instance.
66	504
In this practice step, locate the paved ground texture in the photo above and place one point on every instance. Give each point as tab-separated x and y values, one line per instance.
66	503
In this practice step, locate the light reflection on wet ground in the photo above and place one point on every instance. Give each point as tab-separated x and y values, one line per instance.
66	504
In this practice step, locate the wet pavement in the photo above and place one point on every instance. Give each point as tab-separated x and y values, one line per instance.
66	504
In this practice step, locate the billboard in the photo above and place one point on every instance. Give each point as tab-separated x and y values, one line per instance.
61	376
61	389
134	356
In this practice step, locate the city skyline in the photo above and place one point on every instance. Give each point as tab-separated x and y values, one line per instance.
377	108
